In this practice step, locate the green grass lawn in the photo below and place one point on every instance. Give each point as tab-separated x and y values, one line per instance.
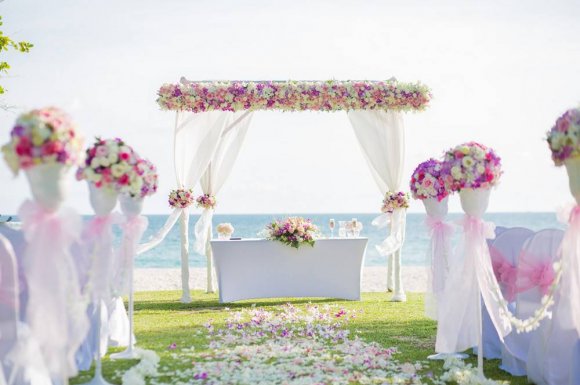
160	320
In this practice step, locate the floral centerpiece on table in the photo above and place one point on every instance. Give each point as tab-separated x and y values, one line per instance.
293	231
181	198
42	136
140	181
431	179
206	201
473	165
107	161
395	200
564	137
225	230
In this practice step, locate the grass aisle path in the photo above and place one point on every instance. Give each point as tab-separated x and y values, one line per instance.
160	320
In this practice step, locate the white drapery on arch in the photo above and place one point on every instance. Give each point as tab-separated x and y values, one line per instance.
208	143
196	140
214	178
381	136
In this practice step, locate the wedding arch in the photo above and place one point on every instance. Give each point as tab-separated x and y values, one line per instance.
211	121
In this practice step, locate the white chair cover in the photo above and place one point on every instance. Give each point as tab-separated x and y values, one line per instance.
20	359
16	239
550	357
504	251
575	369
541	249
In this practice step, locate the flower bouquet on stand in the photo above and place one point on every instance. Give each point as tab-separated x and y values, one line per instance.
106	166
45	144
431	184
474	169
139	182
293	231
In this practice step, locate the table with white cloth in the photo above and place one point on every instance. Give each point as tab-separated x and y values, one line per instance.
259	268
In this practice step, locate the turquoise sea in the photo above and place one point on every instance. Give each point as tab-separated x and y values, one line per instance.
247	226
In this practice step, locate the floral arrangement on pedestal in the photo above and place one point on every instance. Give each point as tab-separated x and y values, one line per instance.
473	165
431	179
181	198
42	136
206	201
293	231
332	95
395	200
140	181
107	163
564	137
225	230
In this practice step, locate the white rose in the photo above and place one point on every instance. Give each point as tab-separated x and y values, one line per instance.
104	162
456	172
480	169
113	157
95	163
117	170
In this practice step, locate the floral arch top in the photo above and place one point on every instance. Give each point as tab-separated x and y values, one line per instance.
332	95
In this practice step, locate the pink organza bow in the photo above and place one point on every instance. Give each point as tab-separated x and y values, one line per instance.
98	225
535	271
61	227
474	226
437	226
505	273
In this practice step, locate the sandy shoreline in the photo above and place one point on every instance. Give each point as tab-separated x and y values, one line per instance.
374	279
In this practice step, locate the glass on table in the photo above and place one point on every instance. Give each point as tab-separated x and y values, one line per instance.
342	229
331	224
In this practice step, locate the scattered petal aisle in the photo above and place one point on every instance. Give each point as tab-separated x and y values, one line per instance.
290	345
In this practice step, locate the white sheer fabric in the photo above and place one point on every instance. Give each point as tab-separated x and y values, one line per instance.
470	279
439	252
381	136
195	142
214	178
56	310
20	359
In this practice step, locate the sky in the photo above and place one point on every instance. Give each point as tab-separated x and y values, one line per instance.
501	72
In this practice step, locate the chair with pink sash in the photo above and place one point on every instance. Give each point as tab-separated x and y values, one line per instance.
504	251
20	358
535	275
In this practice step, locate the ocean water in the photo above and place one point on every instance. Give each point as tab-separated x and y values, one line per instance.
167	254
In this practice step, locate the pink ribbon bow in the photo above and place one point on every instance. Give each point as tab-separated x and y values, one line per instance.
474	226
61	228
505	273
535	272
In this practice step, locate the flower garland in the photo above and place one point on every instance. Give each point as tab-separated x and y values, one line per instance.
293	231
473	165
332	95
431	179
564	138
140	181
106	162
206	201
395	200
181	198
532	322
43	136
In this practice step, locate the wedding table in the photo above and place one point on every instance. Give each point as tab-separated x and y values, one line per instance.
259	268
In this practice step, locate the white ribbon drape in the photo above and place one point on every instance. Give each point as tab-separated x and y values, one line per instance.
381	136
470	280
56	310
214	178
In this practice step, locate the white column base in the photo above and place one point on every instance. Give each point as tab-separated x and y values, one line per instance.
399	295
